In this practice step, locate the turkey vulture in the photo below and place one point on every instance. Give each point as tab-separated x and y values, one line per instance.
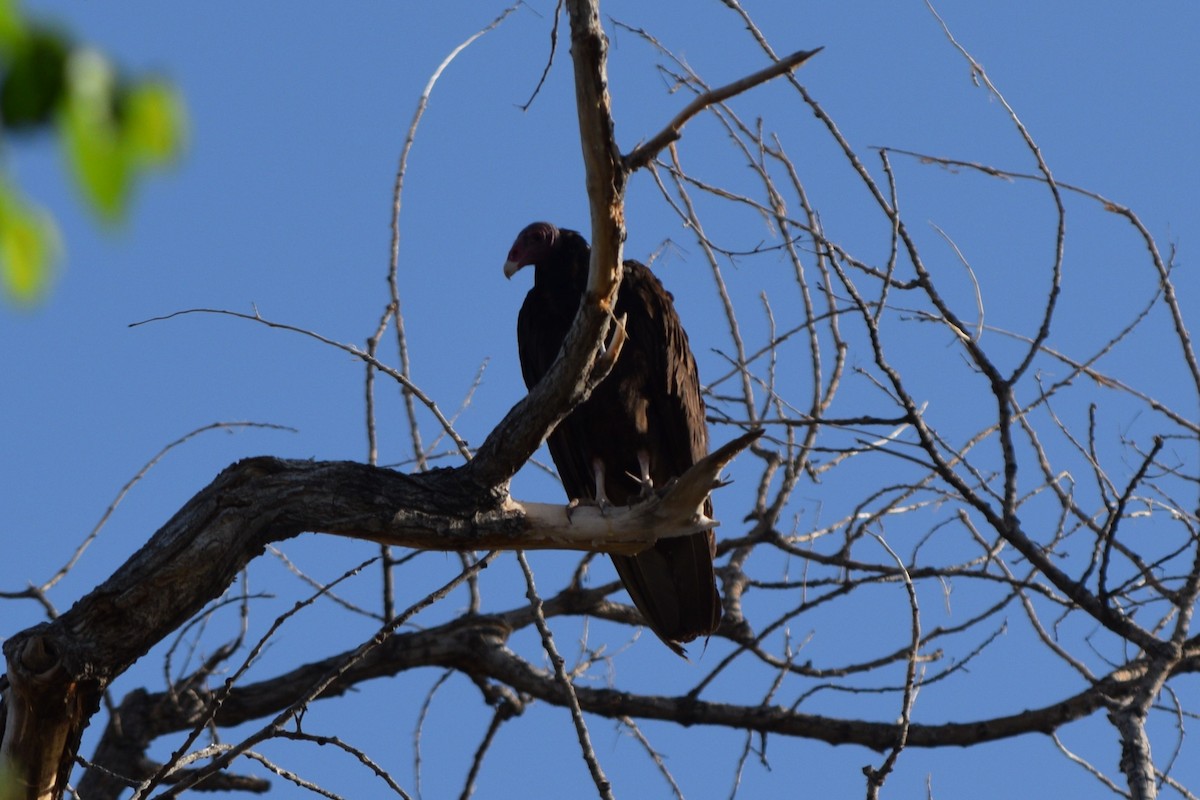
642	425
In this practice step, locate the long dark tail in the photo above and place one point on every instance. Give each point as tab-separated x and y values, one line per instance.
672	584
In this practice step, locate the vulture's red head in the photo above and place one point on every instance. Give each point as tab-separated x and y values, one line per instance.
535	243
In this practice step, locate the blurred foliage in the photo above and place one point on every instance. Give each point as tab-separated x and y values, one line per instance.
111	128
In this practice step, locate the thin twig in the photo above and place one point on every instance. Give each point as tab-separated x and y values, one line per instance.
353	350
549	58
643	154
655	756
141	473
314	691
407	387
498	718
876	776
419	728
603	787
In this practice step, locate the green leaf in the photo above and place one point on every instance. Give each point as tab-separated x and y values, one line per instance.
153	123
29	247
112	132
98	157
12	26
34	80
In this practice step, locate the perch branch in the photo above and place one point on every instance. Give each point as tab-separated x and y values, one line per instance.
251	504
675	511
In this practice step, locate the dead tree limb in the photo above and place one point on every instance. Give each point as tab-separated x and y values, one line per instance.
66	664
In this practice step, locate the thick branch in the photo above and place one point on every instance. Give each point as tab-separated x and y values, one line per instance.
605	173
195	556
477	645
66	664
687	710
570	380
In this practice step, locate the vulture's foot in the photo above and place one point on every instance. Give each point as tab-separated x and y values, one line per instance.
602	504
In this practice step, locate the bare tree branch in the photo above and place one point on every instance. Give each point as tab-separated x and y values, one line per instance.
643	154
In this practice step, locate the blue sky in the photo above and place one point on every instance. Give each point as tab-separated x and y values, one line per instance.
283	202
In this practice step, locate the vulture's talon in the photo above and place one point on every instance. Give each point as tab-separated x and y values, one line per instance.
602	505
646	489
644	480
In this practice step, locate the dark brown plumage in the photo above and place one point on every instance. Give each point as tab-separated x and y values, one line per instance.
646	419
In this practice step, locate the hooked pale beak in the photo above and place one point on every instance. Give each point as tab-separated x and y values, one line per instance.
511	267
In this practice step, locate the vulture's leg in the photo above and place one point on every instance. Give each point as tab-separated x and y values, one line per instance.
601	496
601	500
644	479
